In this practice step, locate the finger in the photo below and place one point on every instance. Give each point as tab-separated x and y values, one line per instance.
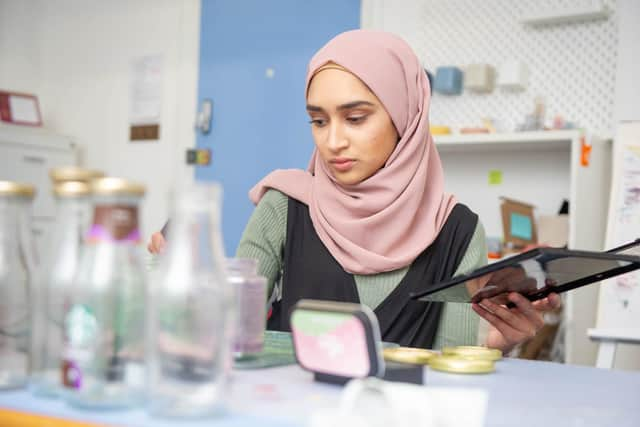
514	318
527	309
550	302
158	241
510	334
554	300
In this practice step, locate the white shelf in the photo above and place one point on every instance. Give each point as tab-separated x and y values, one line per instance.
558	140
595	10
34	136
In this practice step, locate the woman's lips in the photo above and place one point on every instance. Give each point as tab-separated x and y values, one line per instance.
342	165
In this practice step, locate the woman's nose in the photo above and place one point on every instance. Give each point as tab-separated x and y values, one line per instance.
336	140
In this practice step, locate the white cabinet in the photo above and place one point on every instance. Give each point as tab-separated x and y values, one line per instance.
27	155
541	168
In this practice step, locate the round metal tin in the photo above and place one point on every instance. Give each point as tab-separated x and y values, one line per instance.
416	356
473	352
461	365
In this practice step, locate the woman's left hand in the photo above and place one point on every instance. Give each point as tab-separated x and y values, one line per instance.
510	327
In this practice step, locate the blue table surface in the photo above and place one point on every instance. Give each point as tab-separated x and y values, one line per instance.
523	393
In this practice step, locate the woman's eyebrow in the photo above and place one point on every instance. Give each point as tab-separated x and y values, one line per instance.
354	104
342	107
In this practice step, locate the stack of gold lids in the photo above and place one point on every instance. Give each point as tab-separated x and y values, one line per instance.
416	356
73	173
466	360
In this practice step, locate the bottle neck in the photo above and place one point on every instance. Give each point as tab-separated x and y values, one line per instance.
72	214
10	211
198	235
195	235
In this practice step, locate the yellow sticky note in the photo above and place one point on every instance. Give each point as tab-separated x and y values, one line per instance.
495	177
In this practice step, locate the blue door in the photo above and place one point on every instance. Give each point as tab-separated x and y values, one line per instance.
253	59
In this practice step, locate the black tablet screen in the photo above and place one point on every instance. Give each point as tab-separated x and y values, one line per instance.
534	274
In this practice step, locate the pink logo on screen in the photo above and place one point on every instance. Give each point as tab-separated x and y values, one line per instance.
341	350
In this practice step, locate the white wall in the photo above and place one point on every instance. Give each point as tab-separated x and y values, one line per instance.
627	100
76	55
571	66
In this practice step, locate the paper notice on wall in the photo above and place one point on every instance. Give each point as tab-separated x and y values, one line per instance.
628	221
145	97
619	304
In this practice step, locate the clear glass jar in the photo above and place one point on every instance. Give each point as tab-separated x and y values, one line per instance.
104	349
191	311
16	271
251	306
55	285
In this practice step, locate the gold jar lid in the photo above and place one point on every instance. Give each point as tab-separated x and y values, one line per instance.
71	189
461	365
73	173
11	188
416	356
116	186
473	352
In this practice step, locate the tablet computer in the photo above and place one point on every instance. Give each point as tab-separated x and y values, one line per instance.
631	248
534	274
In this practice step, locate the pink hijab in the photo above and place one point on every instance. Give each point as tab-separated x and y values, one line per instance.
384	222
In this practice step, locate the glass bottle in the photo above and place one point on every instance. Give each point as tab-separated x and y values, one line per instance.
251	306
55	285
15	275
104	350
191	312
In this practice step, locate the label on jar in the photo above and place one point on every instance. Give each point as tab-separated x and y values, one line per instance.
81	329
114	223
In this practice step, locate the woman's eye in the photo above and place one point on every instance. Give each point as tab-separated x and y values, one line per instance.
356	119
318	122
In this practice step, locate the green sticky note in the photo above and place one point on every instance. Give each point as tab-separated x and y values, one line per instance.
521	226
495	177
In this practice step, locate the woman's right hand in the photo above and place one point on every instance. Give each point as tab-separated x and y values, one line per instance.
157	243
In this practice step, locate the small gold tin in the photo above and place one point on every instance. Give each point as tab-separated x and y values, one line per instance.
461	365
473	352
416	356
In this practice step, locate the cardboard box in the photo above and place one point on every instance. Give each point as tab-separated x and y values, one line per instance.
553	230
518	223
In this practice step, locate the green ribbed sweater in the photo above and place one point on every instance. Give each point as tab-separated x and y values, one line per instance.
264	239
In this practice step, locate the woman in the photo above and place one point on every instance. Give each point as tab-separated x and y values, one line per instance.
369	221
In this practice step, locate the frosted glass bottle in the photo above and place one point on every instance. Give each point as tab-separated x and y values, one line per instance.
55	285
104	350
16	272
191	312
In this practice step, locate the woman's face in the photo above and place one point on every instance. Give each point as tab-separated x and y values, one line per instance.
352	131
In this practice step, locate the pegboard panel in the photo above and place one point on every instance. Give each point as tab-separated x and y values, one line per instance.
571	66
